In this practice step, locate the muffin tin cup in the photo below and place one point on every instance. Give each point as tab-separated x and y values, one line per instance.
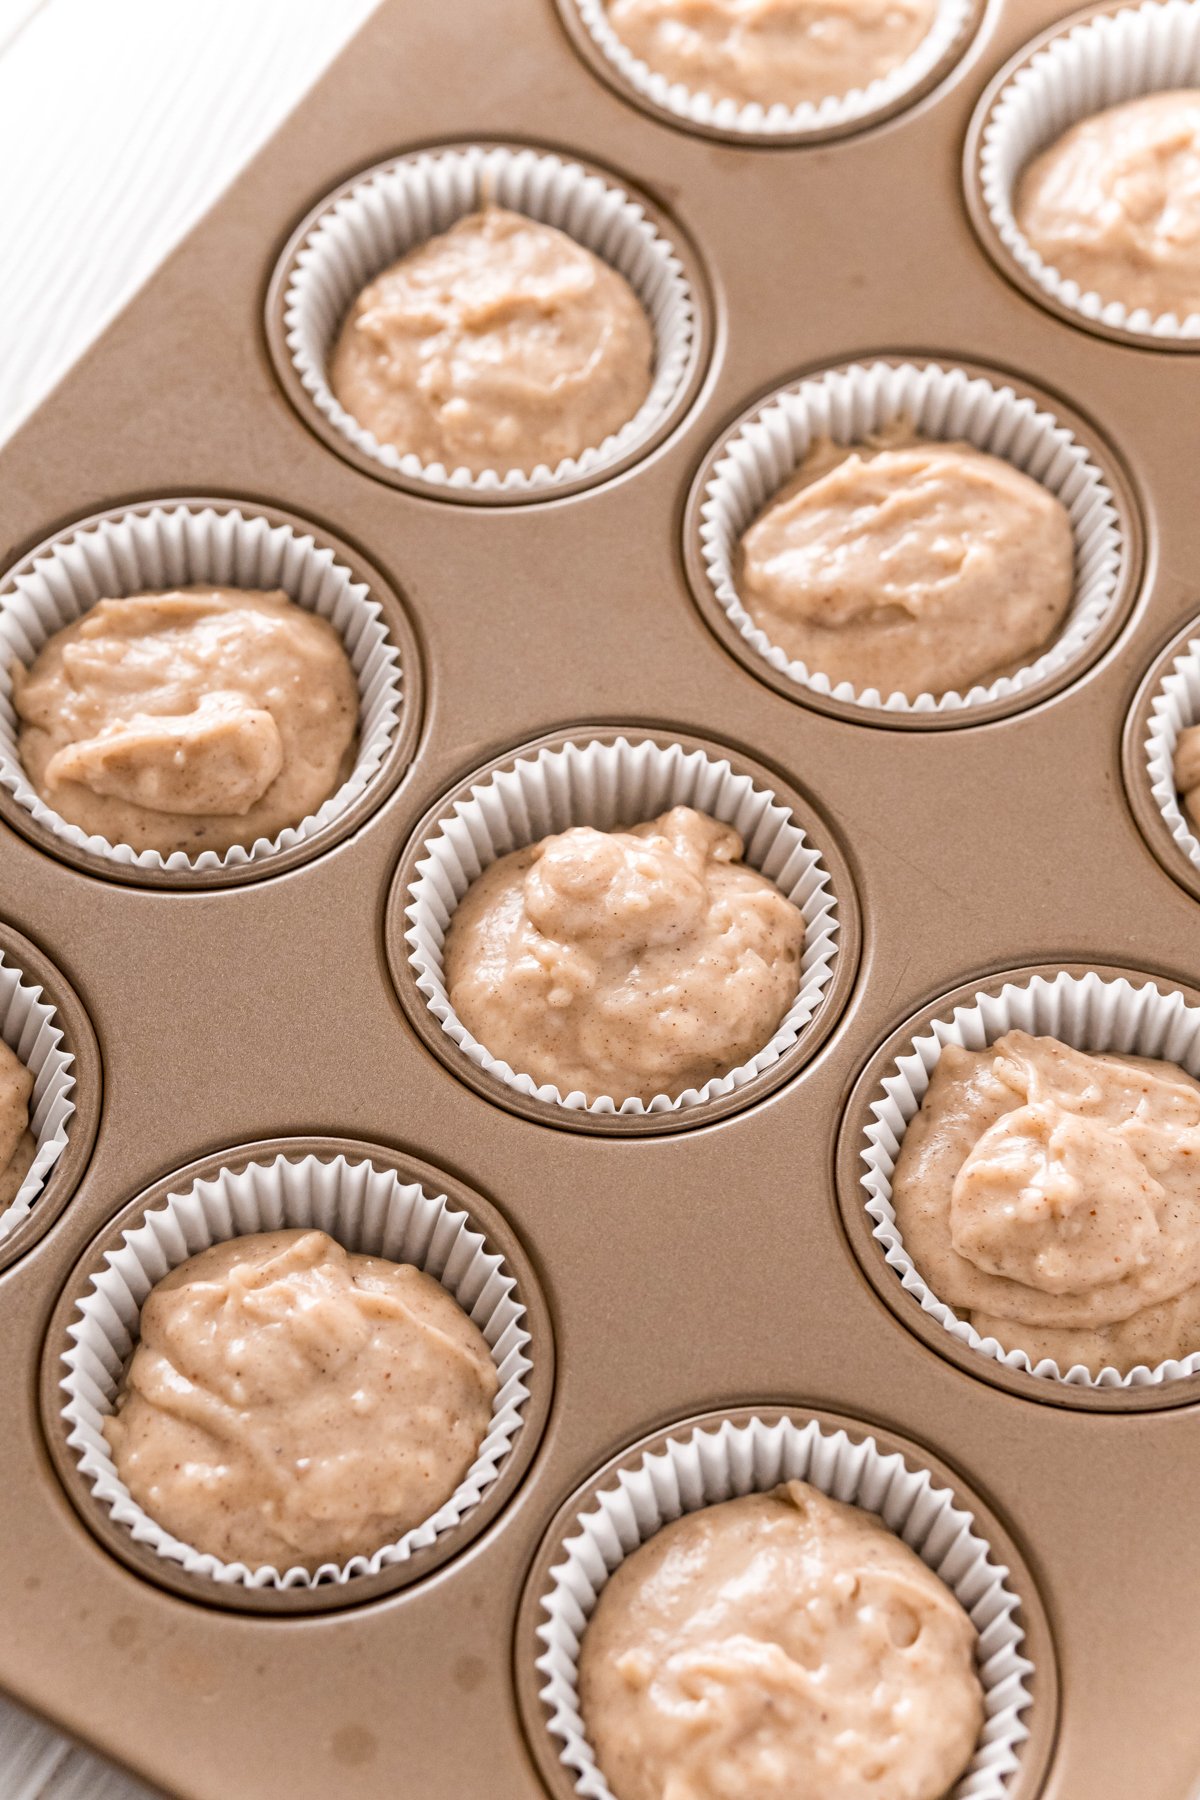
983	407
371	1201
173	543
1093	60
44	1024
720	1456
611	778
386	211
1094	1009
28	1028
836	116
1167	702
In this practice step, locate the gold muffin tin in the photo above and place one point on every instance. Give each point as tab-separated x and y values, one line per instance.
707	1268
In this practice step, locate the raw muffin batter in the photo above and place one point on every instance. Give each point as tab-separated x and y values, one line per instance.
1187	771
292	1404
1053	1199
1114	204
191	720
499	344
782	1646
626	963
18	1146
772	51
909	566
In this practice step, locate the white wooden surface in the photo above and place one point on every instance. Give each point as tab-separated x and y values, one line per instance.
120	122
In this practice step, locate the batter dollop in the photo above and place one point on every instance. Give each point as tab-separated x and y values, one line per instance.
1114	204
290	1403
18	1146
499	344
908	565
191	720
1187	770
625	963
1052	1198
782	1646
773	52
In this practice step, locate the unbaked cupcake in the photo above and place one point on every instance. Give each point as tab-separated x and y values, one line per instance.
500	344
772	52
625	963
1186	768
1114	204
292	1404
908	565
193	720
18	1146
1049	1197
783	1645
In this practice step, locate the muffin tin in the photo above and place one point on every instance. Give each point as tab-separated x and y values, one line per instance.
726	1268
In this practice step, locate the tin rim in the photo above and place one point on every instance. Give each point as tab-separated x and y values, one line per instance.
591	53
1042	1716
1145	808
669	229
79	1040
980	213
858	1227
812	1035
396	762
1087	435
483	1216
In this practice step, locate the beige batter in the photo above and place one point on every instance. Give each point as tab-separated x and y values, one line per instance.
291	1404
779	1647
18	1146
908	566
1053	1199
1187	770
625	963
775	52
1114	204
499	344
191	720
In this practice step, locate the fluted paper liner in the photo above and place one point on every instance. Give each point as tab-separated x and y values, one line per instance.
609	786
29	1026
851	403
400	205
367	1210
1088	1012
859	106
1095	65
710	1466
1175	706
168	546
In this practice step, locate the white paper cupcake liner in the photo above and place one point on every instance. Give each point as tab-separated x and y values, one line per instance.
402	204
836	112
1088	1012
1095	65
170	546
29	1026
612	785
367	1210
1175	706
711	1466
849	404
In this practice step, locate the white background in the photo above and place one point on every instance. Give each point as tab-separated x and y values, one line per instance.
120	122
